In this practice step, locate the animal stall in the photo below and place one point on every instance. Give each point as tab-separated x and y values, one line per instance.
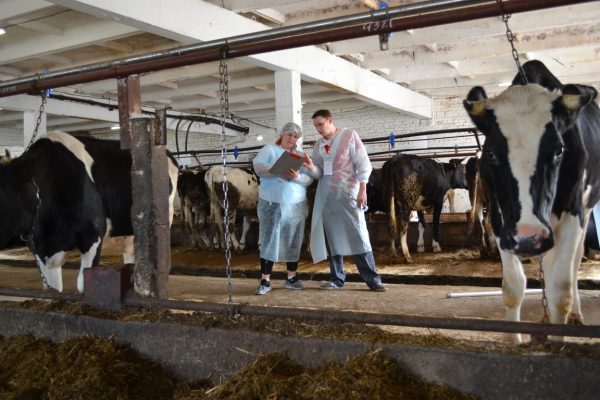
227	341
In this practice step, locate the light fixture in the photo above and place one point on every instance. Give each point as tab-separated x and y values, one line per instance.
2	31
115	127
505	84
259	138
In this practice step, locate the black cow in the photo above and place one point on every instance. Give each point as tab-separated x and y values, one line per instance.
63	194
539	163
195	203
375	198
414	183
479	212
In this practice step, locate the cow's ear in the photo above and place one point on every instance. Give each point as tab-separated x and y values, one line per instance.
475	105
475	102
7	157
576	96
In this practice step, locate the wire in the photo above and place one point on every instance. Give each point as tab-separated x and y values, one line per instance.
34	19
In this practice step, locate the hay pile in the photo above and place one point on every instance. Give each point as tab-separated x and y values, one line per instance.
96	369
82	368
371	376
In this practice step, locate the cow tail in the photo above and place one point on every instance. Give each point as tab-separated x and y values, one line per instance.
474	215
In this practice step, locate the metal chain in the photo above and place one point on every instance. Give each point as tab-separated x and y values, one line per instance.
29	239
224	89
509	35
39	119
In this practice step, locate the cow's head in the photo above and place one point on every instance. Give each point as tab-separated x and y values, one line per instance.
456	173
523	150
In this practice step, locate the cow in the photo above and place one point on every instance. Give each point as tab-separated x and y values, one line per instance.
479	212
111	170
411	183
242	195
195	203
539	163
64	194
375	194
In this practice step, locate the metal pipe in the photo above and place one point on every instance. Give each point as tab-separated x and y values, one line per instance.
472	324
487	293
372	318
393	19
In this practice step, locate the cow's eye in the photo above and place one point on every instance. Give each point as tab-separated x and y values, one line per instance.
491	157
558	153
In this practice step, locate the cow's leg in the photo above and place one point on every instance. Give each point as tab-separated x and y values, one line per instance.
437	212
89	259
513	290
128	250
51	270
245	229
421	224
450	196
404	222
560	273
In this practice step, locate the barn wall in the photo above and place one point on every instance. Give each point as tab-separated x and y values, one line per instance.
370	121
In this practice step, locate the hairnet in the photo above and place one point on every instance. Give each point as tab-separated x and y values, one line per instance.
291	127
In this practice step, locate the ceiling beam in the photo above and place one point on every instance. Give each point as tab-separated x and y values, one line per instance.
558	38
520	23
251	5
12	9
207	88
190	21
179	74
86	33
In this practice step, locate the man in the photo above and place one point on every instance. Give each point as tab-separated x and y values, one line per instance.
340	162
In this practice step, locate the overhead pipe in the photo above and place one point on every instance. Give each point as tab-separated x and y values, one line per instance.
387	20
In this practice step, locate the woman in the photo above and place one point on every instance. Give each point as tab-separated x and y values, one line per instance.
281	210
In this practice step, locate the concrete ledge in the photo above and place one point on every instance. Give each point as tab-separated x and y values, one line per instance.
193	352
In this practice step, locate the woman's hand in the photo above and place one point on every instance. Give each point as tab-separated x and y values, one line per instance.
308	162
291	174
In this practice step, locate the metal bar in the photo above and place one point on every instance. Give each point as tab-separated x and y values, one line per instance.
375	319
40	294
393	19
472	324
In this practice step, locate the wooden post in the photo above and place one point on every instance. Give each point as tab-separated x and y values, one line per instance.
150	209
161	188
128	90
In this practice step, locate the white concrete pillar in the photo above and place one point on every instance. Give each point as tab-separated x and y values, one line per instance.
288	99
29	124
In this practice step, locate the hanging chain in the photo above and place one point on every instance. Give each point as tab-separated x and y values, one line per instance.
543	286
224	89
509	35
43	95
29	238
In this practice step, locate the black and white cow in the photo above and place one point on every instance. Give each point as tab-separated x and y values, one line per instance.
242	197
414	183
539	163
63	194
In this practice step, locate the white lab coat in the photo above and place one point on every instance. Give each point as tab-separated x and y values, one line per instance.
334	210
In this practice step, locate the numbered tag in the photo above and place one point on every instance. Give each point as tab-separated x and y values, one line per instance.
328	167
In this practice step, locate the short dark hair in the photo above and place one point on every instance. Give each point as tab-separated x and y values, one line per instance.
321	113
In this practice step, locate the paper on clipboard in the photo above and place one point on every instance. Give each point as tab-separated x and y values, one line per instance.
289	159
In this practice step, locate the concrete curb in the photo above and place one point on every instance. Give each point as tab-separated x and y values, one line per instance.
193	352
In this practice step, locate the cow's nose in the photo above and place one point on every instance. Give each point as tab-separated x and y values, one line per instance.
532	240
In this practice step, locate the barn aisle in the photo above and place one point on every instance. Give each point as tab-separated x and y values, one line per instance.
410	299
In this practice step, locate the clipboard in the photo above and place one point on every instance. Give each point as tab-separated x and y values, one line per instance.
289	159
